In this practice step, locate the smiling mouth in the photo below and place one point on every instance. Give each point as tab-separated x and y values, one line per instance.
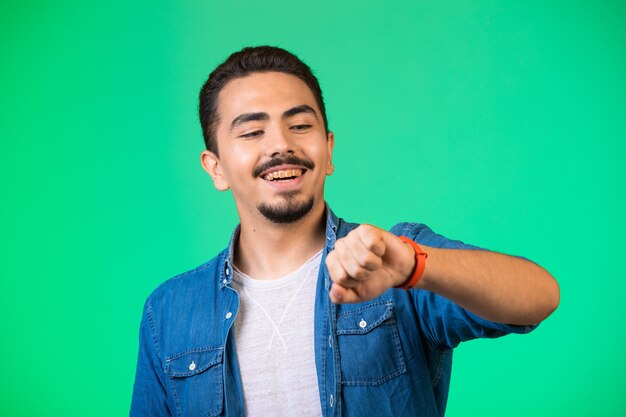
284	175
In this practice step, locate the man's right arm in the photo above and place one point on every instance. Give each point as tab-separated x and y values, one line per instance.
149	394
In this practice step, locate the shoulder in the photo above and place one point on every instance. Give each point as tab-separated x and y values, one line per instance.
190	284
181	313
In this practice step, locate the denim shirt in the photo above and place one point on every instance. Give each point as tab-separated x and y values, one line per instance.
390	356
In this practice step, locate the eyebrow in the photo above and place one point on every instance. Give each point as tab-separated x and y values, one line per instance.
248	117
303	108
251	117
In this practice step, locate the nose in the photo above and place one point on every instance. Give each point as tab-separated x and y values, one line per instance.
279	142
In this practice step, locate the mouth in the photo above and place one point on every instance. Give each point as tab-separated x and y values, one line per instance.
283	174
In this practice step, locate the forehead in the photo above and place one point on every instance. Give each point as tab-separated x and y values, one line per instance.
269	92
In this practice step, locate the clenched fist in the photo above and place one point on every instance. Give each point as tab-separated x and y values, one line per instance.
366	263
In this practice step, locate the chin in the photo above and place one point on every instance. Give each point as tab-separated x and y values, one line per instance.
288	211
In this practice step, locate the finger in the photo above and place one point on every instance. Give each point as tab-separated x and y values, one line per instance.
365	257
335	268
372	238
341	295
344	254
338	272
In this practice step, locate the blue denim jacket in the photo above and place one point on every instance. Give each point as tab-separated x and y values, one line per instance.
391	356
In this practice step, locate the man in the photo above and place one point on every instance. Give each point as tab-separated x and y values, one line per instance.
304	314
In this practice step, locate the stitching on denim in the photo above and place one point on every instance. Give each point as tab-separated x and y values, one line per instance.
442	358
153	329
185	374
388	313
380	322
194	350
337	364
397	345
218	359
376	382
386	316
365	307
220	394
176	399
324	352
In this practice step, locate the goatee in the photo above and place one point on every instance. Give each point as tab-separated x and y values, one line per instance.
289	211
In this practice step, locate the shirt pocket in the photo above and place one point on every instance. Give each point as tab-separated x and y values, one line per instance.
369	345
196	380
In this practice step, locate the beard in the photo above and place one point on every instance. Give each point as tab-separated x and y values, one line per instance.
289	211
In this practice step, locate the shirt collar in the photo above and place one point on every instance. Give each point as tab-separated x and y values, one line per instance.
226	266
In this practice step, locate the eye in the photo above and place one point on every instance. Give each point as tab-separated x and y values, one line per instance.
253	134
300	128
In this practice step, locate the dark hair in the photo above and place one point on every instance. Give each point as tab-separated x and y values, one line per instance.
245	62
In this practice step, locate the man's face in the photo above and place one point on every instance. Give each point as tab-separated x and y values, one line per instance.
273	147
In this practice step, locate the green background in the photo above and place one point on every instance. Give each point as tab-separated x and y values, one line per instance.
496	123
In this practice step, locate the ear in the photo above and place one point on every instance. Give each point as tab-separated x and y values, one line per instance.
330	143
211	164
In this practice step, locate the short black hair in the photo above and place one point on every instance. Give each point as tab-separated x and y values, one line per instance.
243	63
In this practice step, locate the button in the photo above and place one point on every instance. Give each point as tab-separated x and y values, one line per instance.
229	315
225	282
332	400
362	324
192	366
227	272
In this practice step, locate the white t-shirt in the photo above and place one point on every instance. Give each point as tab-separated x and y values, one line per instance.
275	342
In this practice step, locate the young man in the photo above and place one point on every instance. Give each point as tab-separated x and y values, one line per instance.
304	314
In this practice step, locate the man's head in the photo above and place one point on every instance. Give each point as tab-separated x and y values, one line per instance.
243	63
263	111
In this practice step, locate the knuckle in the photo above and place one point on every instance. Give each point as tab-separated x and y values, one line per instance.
367	230
372	261
339	274
359	273
371	239
366	259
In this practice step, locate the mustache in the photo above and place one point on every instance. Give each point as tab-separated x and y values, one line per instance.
287	160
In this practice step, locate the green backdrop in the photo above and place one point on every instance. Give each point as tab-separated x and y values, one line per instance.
497	123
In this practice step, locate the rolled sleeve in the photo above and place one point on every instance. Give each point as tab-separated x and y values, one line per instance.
445	323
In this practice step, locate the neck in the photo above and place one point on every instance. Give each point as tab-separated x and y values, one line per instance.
267	250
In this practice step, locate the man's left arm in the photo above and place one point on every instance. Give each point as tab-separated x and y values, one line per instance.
500	288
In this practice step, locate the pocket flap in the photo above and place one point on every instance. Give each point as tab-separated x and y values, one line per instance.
193	361
363	319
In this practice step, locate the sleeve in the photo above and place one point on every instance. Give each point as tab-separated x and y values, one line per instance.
149	394
444	323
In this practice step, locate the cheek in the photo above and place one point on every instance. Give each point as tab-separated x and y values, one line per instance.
241	161
322	155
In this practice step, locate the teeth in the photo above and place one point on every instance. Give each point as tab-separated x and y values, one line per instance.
286	173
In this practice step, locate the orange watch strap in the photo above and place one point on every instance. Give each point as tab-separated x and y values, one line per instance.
420	264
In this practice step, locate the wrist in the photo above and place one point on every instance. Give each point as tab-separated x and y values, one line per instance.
411	276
